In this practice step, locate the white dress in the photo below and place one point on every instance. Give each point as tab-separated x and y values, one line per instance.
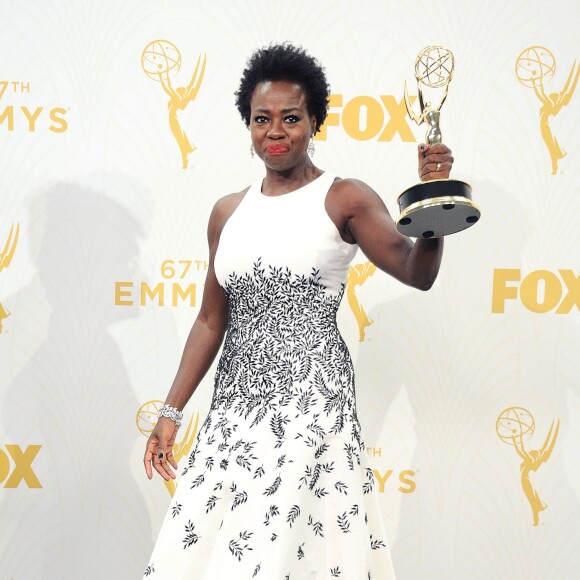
278	486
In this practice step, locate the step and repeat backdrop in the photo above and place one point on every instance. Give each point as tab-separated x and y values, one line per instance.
118	133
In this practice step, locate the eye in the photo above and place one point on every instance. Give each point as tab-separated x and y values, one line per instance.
291	119
260	119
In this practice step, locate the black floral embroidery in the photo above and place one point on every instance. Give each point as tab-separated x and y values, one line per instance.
274	487
191	537
317	527
176	509
211	503
343	523
301	551
198	481
369	484
240	498
239	546
273	511
293	514
282	331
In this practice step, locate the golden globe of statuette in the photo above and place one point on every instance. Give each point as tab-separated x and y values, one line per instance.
535	64
159	58
442	206
434	66
514	423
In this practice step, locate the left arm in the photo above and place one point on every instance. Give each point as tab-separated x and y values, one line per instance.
366	221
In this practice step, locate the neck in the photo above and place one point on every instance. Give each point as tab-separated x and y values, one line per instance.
279	182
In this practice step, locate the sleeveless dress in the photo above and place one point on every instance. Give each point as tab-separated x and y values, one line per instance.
278	486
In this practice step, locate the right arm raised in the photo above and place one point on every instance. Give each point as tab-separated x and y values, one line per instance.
201	348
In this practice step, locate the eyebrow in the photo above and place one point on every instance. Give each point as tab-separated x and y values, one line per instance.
289	110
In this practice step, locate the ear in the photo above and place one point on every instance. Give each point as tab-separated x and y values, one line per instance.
312	125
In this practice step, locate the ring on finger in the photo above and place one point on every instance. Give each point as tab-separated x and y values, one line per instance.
438	167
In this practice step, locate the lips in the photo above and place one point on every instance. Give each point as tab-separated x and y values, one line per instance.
277	149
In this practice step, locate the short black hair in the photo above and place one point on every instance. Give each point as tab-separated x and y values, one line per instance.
285	62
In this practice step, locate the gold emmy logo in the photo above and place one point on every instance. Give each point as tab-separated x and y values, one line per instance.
515	424
161	59
5	258
357	276
147	419
534	66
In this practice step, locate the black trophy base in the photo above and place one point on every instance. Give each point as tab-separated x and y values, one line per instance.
437	208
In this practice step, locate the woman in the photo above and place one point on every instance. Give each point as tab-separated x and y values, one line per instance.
278	485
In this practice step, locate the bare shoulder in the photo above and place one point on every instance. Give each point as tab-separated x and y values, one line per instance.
351	193
349	185
223	208
226	205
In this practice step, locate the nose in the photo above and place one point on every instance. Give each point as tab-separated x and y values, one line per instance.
276	129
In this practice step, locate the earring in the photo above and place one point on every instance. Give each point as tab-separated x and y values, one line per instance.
252	150
310	150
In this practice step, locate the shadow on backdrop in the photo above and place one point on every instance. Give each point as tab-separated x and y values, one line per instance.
73	395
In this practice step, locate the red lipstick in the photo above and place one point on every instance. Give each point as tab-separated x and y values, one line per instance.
276	149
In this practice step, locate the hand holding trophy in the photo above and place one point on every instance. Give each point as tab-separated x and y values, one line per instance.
442	206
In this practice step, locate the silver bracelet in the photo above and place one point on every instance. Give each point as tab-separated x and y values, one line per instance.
171	413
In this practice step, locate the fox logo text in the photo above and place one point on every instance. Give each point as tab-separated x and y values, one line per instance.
16	466
539	291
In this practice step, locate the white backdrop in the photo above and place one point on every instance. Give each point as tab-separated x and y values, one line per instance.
103	249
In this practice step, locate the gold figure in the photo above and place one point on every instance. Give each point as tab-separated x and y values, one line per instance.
5	258
531	461
357	276
512	426
433	68
533	66
146	421
159	59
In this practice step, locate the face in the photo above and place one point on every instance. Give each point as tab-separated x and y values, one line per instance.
280	124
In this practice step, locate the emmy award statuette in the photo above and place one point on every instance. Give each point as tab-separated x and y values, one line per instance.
440	207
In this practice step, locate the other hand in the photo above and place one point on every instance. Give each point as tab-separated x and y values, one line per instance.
159	449
435	161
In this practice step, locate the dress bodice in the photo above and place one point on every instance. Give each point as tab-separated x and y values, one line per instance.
291	231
